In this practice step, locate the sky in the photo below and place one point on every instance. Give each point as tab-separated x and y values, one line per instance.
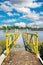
21	13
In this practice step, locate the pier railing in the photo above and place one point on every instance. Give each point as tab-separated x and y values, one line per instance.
11	39
32	40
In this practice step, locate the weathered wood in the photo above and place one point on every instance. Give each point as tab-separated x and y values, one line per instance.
21	58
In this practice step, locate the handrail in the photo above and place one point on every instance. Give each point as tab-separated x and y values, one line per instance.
31	41
10	41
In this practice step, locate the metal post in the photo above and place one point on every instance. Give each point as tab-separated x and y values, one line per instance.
37	44
10	39
7	49
33	43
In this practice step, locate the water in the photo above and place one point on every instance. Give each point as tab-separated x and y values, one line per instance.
3	33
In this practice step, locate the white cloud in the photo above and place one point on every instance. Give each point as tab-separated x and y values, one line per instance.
4	25
41	13
19	5
9	20
5	8
21	24
31	15
12	14
22	6
39	23
28	13
26	3
7	2
23	9
9	13
35	24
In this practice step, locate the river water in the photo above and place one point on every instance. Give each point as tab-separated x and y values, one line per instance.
3	33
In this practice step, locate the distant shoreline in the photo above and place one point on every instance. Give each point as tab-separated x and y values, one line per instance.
20	28
24	29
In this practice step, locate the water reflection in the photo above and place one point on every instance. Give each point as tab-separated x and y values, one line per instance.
3	33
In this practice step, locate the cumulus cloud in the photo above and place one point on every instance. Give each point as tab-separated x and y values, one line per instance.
21	24
5	8
12	14
28	3
22	6
9	20
18	4
31	15
23	9
35	24
9	13
38	23
25	6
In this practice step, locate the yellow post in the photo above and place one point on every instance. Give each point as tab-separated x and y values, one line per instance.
27	39
33	43
10	39
14	36
37	44
26	36
7	49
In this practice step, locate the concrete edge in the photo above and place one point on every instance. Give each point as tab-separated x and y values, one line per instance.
40	59
2	57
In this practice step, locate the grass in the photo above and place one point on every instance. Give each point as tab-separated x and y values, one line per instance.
41	49
18	46
2	45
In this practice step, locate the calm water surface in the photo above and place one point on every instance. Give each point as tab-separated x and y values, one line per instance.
3	33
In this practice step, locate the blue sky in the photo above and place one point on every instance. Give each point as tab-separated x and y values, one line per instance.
21	12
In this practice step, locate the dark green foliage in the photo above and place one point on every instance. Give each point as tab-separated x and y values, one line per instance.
2	44
41	50
22	28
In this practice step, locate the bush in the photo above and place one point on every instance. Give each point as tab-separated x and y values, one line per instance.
41	50
2	45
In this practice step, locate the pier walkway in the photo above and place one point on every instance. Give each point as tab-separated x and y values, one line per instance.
18	55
